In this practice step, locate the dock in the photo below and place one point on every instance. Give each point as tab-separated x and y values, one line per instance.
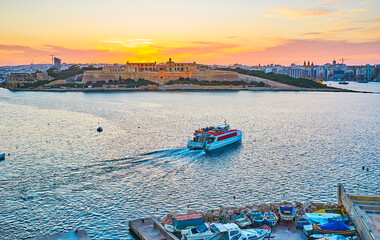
150	229
364	211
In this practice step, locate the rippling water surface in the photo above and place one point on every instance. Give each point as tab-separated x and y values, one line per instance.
62	175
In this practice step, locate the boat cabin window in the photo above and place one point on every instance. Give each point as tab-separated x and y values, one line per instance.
234	232
221	236
236	237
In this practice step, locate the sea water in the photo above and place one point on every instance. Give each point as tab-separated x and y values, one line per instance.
63	175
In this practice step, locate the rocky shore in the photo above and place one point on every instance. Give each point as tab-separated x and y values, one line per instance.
230	212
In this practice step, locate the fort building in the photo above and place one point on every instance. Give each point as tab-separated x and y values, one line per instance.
17	80
158	72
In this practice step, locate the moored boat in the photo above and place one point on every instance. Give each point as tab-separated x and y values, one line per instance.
270	218
212	138
231	231
287	213
339	228
242	220
340	211
257	217
198	233
322	218
187	221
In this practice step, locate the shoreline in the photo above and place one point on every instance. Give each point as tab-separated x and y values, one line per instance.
185	90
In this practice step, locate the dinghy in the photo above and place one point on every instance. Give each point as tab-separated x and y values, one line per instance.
339	228
257	217
321	218
270	218
242	220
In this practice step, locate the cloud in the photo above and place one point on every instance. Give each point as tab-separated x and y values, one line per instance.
364	2
349	11
330	2
300	13
130	43
287	51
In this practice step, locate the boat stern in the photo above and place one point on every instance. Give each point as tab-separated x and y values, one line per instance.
195	145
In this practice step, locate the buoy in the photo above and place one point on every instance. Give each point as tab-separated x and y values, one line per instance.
234	197
367	169
363	167
100	129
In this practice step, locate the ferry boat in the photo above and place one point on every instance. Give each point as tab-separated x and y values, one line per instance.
213	138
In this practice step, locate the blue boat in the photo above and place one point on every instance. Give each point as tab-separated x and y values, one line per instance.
287	213
2	156
257	217
302	222
339	228
270	218
321	218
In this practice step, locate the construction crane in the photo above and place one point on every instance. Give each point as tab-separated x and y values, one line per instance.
343	59
52	58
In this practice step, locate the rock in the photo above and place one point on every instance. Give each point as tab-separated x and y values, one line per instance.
255	209
236	211
216	213
230	212
172	215
190	211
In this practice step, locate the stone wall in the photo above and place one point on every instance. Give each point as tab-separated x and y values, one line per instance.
160	76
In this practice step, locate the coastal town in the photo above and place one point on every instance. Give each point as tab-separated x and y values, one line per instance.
172	75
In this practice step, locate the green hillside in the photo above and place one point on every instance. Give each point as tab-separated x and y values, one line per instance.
298	82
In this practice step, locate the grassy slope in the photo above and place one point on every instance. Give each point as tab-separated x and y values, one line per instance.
298	82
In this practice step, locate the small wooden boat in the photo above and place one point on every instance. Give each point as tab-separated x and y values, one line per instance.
198	233
339	228
302	222
321	218
257	217
2	156
328	237
169	228
270	218
242	220
287	213
340	211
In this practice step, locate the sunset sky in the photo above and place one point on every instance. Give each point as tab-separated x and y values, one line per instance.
208	31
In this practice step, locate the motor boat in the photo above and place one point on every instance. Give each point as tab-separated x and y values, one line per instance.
212	138
231	231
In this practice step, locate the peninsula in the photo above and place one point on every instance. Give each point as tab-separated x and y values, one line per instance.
153	76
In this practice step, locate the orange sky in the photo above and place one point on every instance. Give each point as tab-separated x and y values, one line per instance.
221	32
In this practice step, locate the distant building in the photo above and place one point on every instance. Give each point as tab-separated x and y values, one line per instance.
17	80
338	75
159	72
57	63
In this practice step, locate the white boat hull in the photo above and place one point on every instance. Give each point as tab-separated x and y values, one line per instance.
216	144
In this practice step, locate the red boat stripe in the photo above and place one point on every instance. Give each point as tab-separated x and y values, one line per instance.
227	136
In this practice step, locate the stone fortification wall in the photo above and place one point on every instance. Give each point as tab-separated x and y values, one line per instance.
160	76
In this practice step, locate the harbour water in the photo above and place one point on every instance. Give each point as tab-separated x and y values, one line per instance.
63	175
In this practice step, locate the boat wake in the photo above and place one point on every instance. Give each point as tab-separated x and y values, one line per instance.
167	156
